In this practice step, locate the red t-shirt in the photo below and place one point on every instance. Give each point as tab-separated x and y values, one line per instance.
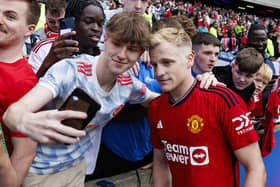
16	80
199	134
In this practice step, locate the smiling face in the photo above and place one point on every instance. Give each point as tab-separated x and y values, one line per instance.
241	80
258	40
171	67
120	57
13	23
206	57
89	27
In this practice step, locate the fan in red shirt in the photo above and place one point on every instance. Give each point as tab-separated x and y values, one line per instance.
198	135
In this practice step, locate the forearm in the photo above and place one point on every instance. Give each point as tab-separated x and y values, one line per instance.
47	63
7	172
161	176
13	116
255	178
22	157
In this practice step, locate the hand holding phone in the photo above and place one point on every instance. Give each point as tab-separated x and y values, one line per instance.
67	25
80	101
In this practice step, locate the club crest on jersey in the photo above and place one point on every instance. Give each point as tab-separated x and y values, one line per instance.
195	124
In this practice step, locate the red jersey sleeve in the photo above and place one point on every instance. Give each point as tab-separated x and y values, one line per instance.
237	125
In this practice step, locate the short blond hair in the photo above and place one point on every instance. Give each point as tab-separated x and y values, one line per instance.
174	36
265	72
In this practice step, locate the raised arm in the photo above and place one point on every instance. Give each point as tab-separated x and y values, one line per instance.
250	157
45	126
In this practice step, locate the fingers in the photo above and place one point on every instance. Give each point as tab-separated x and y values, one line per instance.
207	79
45	127
135	69
145	58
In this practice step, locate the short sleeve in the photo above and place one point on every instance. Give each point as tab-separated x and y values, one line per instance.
59	77
140	93
237	125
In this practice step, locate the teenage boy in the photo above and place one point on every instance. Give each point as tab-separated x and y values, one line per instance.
55	10
197	134
240	75
206	49
105	78
17	21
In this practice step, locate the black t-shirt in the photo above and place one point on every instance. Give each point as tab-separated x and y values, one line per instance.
224	75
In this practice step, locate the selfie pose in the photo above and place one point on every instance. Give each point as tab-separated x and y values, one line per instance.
105	78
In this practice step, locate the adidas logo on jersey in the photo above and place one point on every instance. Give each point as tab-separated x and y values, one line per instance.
159	125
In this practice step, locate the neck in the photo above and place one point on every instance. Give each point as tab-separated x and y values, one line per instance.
182	88
10	54
105	78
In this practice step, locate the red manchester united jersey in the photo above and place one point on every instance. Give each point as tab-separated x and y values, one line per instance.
199	134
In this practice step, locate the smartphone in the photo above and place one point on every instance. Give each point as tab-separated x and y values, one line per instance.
79	100
67	25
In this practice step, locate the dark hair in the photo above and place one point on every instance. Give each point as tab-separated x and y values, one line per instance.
206	39
55	7
255	27
76	7
129	28
249	60
187	24
166	22
33	13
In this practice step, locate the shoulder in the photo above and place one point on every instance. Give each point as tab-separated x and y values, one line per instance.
43	43
221	94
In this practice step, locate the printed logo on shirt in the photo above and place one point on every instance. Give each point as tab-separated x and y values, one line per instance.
195	124
182	154
244	123
159	125
199	156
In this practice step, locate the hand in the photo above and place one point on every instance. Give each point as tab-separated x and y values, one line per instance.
145	58
46	127
135	69
63	47
207	79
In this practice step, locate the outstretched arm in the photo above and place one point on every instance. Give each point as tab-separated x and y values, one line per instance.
45	126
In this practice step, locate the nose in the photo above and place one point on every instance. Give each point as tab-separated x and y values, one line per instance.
95	27
122	53
158	71
138	4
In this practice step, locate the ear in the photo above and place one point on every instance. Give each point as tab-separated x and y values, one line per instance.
105	37
30	29
190	59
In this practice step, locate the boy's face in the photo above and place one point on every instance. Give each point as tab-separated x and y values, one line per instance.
13	23
52	21
120	56
205	59
89	26
241	80
171	66
260	84
136	6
